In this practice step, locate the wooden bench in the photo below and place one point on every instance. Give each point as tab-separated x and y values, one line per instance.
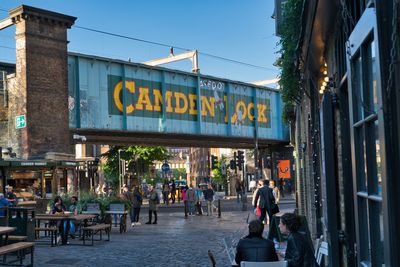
53	233
94	229
17	238
20	248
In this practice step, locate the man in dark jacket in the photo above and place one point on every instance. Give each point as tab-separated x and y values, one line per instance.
209	197
266	197
254	247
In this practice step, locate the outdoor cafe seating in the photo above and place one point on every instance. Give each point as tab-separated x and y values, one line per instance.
14	249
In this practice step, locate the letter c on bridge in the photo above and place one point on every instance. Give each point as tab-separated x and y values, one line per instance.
130	86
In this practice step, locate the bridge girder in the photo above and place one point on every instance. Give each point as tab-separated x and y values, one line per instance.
151	139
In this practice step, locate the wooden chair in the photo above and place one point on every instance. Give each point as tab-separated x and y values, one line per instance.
263	264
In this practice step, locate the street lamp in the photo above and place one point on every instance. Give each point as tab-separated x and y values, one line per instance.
119	171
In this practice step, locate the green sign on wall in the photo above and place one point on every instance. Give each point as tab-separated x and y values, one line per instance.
20	121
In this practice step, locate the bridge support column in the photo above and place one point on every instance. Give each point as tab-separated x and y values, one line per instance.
39	89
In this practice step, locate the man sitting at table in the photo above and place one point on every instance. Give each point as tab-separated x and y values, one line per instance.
12	198
3	204
74	208
254	247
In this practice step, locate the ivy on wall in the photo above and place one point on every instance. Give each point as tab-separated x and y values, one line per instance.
288	60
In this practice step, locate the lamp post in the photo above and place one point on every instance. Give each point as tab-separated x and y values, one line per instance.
119	171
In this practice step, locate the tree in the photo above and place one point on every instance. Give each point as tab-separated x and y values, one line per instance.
218	177
180	172
139	159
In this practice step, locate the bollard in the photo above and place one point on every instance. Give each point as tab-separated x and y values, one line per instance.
244	202
186	208
219	208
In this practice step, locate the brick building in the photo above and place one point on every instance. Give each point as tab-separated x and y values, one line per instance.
346	126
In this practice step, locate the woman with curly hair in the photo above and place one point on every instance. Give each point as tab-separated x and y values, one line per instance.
298	251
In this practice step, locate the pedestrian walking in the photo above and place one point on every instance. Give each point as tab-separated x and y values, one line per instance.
239	190
209	197
281	188
127	195
173	191
136	205
275	191
298	251
165	192
154	200
199	200
191	199
266	197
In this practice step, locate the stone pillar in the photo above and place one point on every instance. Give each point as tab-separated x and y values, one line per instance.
40	88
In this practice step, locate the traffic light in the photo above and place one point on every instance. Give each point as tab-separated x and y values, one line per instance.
214	162
240	159
232	164
126	166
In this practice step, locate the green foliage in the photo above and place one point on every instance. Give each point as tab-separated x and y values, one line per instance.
139	159
288	60
90	197
181	172
218	177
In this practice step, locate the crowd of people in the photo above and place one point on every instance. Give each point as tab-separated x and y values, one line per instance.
255	248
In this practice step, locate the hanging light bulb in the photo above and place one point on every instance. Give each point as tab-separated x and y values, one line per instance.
322	88
321	91
325	72
326	79
324	83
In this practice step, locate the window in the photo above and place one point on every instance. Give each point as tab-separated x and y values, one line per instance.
366	122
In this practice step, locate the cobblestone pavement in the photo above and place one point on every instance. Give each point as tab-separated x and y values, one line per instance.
174	241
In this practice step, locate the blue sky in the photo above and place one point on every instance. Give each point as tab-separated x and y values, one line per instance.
241	30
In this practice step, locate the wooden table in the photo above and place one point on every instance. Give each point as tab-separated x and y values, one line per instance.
62	218
26	203
4	231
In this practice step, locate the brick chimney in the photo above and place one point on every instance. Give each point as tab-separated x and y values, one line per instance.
39	89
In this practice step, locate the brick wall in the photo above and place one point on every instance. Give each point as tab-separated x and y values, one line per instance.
41	85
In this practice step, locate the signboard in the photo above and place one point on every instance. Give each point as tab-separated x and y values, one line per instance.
165	167
131	97
284	169
144	98
20	121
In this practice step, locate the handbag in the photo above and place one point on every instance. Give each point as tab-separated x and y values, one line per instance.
258	211
274	208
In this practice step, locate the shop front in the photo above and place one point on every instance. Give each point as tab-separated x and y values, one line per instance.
34	179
